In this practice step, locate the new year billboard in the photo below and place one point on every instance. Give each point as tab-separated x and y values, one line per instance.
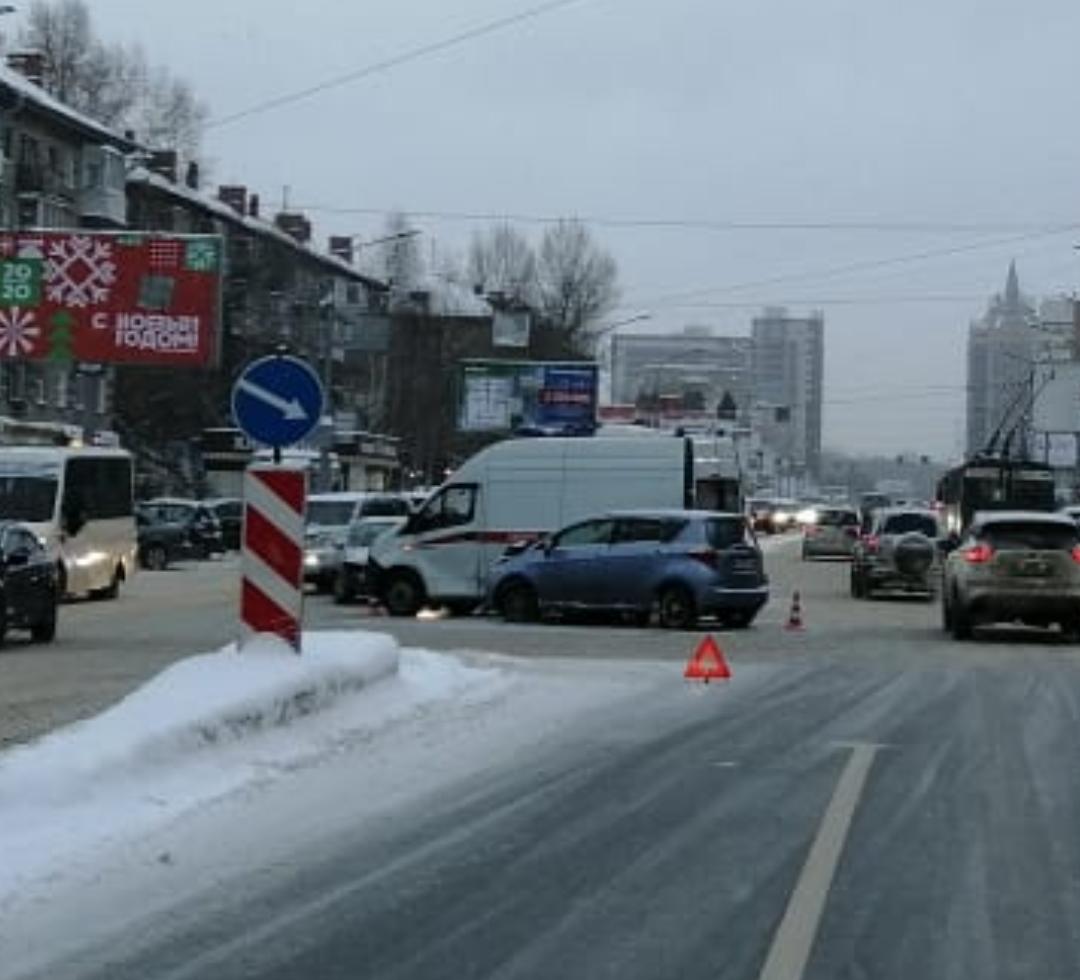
110	298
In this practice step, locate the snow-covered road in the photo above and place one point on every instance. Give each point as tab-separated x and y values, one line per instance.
166	805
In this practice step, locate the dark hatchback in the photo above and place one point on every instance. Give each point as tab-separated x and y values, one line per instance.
202	529
681	564
230	514
28	583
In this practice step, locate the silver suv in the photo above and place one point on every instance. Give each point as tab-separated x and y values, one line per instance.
898	552
1014	566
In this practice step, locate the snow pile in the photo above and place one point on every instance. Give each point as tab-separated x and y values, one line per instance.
196	702
205	727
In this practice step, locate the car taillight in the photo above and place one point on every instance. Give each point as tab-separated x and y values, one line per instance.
872	542
1076	554
978	554
707	556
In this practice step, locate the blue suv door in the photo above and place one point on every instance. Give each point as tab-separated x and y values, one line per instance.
572	572
637	559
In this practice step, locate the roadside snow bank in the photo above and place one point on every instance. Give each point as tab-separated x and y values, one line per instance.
197	702
202	728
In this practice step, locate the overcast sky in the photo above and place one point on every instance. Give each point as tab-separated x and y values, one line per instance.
947	112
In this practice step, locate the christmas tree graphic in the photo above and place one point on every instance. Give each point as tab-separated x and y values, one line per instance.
61	337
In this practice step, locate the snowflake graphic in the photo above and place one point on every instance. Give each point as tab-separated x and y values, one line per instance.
202	256
79	271
18	332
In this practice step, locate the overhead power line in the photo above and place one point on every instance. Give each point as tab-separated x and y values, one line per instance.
823	301
395	61
701	224
865	265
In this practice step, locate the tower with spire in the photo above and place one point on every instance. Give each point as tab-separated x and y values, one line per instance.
1002	345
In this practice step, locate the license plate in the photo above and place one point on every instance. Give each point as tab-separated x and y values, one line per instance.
1033	568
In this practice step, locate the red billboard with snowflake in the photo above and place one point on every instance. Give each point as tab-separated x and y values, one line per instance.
110	298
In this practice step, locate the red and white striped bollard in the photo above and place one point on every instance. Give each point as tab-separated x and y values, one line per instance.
272	552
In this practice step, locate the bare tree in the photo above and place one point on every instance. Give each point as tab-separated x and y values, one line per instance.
110	82
61	31
169	114
577	282
501	260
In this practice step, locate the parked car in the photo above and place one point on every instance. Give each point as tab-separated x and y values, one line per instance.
352	578
1013	566
831	534
899	552
230	514
329	517
29	587
682	564
159	543
203	530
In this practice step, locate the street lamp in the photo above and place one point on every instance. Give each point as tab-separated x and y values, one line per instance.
608	328
396	237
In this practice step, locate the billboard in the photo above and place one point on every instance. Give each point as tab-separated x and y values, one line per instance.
528	397
110	298
1056	389
510	328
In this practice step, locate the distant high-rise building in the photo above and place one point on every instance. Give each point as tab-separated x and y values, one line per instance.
788	371
1002	347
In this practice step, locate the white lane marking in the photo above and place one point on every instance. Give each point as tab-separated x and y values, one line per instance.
794	938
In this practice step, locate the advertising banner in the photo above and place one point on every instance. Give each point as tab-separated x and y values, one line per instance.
528	397
510	328
110	298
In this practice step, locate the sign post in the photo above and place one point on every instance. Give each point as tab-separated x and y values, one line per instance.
277	401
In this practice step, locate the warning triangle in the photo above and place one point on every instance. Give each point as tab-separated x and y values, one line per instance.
707	663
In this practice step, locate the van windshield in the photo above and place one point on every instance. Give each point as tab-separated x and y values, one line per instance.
330	513
28	491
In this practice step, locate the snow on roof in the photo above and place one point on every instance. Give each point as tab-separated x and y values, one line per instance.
21	85
448	299
257	226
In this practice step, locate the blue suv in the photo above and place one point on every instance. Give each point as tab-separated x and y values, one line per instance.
682	564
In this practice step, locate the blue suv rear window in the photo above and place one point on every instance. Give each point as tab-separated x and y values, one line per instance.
726	532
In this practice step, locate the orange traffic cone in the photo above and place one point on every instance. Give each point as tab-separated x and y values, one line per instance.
795	622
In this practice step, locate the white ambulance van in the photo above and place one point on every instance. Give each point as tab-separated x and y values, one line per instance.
519	490
79	503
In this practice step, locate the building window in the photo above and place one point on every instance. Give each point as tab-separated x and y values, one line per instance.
101	395
63	388
37	387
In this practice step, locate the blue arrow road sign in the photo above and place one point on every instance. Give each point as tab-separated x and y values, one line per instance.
278	400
